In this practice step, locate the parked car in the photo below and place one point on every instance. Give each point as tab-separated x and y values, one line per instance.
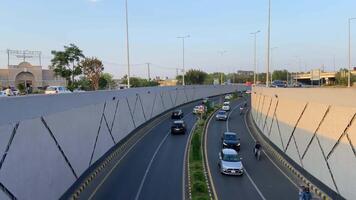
57	90
231	140
178	127
226	106
230	163
248	92
279	84
221	115
177	114
2	94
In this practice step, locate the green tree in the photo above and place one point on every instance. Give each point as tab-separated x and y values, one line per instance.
140	82
67	63
92	69
195	77
106	81
84	84
280	75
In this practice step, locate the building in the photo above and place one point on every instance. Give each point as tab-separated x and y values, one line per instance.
245	73
33	77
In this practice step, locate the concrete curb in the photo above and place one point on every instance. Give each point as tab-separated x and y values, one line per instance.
284	162
188	193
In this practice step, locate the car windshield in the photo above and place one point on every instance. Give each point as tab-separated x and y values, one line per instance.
230	137
226	104
221	113
230	158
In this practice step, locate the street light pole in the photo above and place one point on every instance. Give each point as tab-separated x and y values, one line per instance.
268	42
255	56
349	73
183	40
148	71
273	48
127	45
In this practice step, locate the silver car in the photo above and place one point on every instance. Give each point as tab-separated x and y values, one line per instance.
221	115
230	163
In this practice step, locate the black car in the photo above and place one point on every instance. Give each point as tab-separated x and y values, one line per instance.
279	84
231	140
178	127
177	114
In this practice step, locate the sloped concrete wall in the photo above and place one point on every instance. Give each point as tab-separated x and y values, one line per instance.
47	142
314	127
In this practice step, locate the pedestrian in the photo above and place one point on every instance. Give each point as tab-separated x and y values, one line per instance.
301	192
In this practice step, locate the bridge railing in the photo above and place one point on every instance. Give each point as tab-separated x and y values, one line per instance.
47	142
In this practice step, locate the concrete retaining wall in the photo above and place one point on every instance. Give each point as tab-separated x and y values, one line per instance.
314	127
47	142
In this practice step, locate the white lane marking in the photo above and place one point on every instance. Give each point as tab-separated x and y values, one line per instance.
151	161
248	129
149	166
249	177
185	158
254	185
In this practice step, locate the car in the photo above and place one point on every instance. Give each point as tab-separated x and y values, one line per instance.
248	92
231	140
177	114
228	97
239	94
178	127
226	106
230	163
2	94
57	90
199	109
279	84
221	115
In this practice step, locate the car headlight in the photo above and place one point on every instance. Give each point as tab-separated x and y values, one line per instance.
224	144
238	144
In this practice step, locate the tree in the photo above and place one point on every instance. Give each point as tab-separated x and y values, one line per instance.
106	81
92	69
195	77
84	84
67	63
140	82
280	75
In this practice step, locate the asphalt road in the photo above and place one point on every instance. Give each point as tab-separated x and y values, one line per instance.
152	169
262	179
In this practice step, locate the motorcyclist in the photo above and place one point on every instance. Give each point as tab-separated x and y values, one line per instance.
258	147
241	110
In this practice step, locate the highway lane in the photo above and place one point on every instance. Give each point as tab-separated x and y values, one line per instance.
262	179
152	169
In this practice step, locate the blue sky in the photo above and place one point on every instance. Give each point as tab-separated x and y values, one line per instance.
314	31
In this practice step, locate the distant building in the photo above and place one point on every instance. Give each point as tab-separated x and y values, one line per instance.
168	82
245	73
33	77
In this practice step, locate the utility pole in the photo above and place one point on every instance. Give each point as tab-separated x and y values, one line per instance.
127	45
349	74
148	71
268	42
183	39
255	56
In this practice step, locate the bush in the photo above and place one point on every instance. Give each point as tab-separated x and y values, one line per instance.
200	187
199	175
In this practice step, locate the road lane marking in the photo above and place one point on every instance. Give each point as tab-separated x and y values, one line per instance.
149	166
248	175
151	161
253	137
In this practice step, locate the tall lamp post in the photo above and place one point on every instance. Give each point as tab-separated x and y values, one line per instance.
221	74
127	45
273	48
349	74
183	40
268	43
255	56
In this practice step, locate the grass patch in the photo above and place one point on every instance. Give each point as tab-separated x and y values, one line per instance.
197	178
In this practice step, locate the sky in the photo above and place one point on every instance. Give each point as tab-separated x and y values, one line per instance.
307	34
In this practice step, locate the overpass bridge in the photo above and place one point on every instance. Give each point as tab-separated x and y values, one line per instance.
116	145
325	77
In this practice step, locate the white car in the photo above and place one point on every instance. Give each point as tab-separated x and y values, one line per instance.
199	109
57	90
230	163
226	106
228	96
2	94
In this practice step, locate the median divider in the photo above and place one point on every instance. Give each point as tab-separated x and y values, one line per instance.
200	186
